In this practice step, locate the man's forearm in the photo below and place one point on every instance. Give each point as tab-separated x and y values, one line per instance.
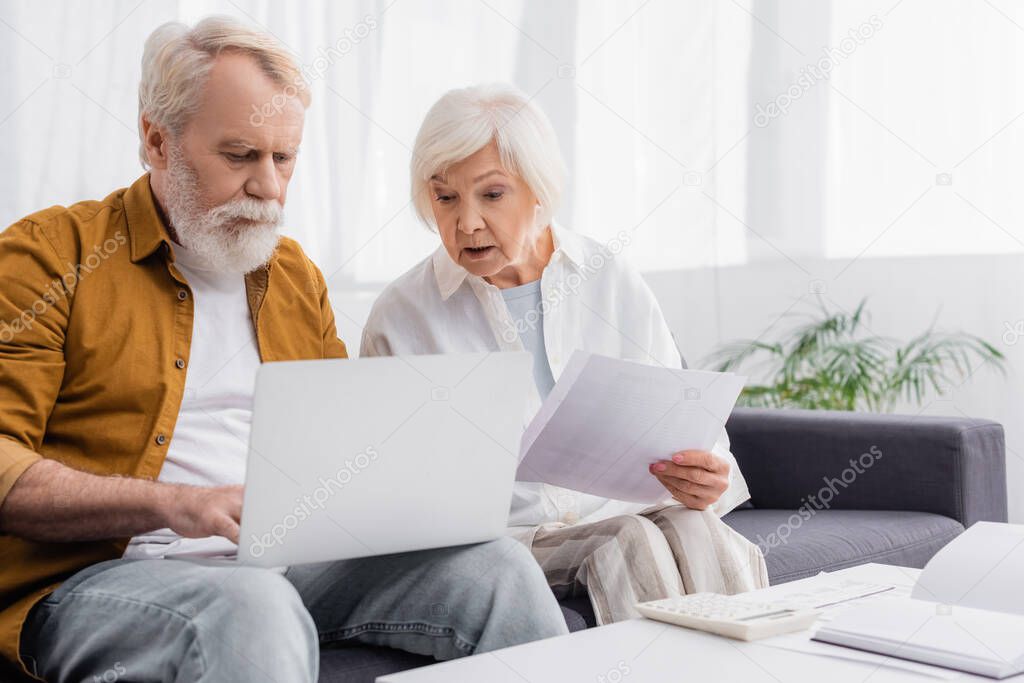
54	503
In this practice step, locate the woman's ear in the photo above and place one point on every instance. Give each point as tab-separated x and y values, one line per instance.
540	217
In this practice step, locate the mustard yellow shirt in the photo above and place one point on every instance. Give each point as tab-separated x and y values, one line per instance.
95	327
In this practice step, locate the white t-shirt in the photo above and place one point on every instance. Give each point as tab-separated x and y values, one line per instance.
211	437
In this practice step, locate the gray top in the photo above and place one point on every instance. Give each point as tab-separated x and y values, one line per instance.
524	306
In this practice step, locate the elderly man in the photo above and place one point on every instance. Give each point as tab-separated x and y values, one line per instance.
131	329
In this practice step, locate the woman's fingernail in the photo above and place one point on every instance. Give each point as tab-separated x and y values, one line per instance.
678	459
660	467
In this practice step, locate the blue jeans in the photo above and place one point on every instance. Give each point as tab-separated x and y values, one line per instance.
172	620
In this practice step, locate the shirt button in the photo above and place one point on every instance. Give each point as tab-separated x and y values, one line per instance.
182	295
570	517
161	439
180	364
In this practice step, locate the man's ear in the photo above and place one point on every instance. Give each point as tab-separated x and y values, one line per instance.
154	141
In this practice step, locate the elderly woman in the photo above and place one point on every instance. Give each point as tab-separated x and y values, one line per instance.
487	174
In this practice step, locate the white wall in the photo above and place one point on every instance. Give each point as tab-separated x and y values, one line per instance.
977	294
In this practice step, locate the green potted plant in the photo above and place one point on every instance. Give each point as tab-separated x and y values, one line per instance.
831	360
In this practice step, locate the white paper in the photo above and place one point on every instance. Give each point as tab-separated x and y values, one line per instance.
982	567
824	591
558	393
607	420
831	592
812	647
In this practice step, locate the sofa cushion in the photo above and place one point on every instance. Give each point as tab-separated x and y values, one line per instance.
579	613
795	547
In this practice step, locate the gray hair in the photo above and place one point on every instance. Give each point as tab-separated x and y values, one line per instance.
465	120
177	60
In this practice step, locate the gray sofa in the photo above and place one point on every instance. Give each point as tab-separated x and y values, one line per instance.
934	477
916	482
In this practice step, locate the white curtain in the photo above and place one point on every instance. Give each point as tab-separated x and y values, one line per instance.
910	146
928	131
648	98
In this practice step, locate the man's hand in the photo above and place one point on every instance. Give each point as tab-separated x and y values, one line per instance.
53	503
695	478
197	512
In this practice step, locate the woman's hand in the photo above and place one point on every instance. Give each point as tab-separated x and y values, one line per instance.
695	478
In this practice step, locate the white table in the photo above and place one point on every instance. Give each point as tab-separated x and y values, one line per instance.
640	650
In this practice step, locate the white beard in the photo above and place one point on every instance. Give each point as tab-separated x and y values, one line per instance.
219	234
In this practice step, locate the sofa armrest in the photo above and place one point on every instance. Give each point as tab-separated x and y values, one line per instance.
830	459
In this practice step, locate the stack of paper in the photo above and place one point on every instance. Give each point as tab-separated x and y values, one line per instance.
606	420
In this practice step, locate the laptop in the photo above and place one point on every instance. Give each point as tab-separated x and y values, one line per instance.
362	457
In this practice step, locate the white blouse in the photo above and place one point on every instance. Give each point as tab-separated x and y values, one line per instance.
590	299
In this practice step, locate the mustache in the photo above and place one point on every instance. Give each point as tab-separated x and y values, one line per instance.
251	209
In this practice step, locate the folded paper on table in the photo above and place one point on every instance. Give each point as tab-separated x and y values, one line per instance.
607	419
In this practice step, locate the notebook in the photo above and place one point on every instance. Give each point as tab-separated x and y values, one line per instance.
966	611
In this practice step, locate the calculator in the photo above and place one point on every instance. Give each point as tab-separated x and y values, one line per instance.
733	616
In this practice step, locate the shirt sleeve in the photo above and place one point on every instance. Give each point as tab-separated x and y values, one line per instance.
34	309
333	346
737	492
374	341
367	348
